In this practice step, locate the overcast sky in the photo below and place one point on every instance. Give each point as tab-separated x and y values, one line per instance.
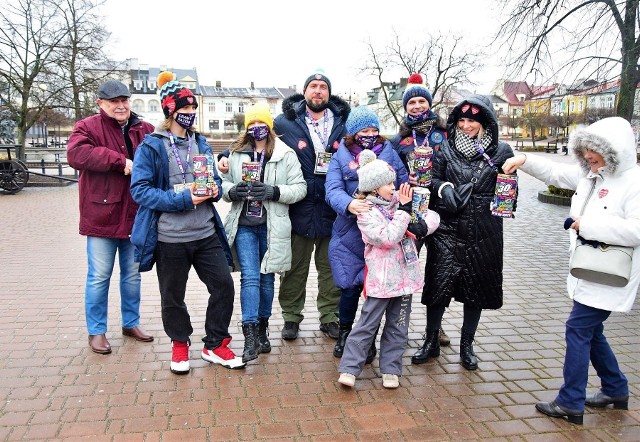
279	43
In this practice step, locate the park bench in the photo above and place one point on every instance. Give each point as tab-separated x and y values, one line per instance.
552	146
519	144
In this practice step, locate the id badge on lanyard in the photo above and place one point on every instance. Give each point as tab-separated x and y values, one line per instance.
322	163
254	208
409	249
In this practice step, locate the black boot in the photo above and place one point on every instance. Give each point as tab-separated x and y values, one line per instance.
430	348
251	345
467	356
345	329
263	335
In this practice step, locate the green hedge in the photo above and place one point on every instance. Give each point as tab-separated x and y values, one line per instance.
553	190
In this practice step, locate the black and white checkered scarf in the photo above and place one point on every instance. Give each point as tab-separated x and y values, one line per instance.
467	145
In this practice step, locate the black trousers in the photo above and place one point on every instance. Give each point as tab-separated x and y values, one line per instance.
174	261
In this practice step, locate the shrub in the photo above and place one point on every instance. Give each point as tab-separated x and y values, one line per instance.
553	190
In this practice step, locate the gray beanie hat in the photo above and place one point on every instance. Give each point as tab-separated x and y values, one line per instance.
373	173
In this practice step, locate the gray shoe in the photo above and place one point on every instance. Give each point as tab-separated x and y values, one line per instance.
290	330
443	338
331	329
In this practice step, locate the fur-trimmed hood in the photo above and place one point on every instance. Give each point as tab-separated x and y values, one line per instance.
610	137
296	104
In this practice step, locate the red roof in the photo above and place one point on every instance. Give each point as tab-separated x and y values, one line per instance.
511	88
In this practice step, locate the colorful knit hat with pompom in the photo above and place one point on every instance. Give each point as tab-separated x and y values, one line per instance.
415	88
373	173
174	96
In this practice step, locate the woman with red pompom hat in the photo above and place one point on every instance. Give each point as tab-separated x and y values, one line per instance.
420	129
178	228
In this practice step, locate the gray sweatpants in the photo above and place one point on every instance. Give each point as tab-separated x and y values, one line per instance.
393	340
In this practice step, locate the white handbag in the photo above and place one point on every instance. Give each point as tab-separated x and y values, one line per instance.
602	263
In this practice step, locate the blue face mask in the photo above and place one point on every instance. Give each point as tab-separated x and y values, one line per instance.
366	141
185	120
258	133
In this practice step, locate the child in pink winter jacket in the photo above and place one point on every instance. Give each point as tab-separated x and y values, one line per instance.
392	271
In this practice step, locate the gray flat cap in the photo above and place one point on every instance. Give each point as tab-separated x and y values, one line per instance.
113	89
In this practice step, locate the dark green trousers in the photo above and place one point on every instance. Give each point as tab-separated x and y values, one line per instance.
293	285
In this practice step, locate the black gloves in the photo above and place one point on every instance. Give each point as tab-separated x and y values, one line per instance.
239	192
419	229
264	192
448	197
406	207
454	200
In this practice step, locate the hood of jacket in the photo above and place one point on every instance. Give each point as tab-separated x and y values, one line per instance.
610	137
486	108
296	104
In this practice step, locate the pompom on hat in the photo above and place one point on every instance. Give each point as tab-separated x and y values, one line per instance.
416	88
320	75
259	112
360	118
173	95
373	173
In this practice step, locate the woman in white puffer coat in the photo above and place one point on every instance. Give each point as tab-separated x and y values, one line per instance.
609	178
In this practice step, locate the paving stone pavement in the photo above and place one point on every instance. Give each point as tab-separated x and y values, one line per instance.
52	387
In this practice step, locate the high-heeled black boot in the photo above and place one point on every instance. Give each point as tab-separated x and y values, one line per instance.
467	356
263	335
345	329
430	348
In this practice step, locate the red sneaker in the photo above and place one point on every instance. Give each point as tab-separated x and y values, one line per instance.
180	358
223	355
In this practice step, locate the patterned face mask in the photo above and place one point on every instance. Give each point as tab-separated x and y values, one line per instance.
185	120
366	141
415	119
258	133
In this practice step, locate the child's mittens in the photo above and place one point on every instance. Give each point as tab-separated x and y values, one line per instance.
567	223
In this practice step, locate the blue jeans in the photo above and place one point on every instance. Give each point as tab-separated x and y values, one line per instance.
586	341
256	289
101	254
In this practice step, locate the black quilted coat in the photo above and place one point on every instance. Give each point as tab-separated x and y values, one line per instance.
464	259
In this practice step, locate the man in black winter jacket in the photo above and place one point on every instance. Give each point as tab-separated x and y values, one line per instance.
312	125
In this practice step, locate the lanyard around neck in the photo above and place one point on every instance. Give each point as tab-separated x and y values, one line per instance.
484	154
176	154
324	137
424	142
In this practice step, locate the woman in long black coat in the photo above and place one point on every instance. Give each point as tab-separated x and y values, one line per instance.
464	256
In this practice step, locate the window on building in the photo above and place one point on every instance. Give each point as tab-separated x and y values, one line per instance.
214	124
137	106
609	102
154	106
151	84
212	107
580	105
229	125
241	108
137	84
572	106
228	107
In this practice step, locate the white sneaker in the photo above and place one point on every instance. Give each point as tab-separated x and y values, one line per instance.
347	379
179	358
223	355
390	381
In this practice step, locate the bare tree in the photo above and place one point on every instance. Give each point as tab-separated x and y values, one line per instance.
28	40
441	59
580	38
82	47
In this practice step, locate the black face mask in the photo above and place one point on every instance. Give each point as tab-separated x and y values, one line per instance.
318	108
185	120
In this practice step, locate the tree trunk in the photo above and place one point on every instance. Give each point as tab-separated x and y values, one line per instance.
629	76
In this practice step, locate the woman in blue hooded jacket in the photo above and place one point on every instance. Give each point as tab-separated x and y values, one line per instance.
346	248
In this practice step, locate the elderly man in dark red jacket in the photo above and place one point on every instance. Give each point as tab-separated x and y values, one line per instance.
102	147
